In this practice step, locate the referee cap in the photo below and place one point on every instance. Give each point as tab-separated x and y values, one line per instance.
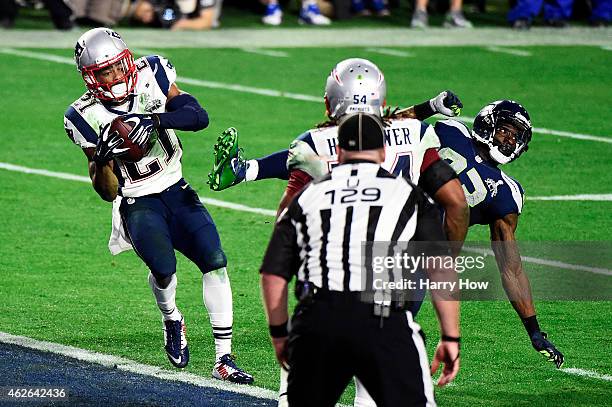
361	131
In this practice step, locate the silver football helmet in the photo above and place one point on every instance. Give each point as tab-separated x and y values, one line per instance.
355	85
99	49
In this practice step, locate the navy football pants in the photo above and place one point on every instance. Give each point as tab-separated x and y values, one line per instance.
172	219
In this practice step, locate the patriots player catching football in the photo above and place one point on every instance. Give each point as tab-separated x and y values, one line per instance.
155	211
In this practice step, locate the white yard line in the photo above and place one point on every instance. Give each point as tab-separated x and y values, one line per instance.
504	50
269	212
545	262
278	93
582	197
145	52
127	365
266	52
390	51
607	47
320	37
587	373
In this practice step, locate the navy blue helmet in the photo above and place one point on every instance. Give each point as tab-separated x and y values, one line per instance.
501	115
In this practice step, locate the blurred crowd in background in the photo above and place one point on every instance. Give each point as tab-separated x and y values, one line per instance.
206	14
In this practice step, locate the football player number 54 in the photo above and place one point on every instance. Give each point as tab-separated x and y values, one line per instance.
459	164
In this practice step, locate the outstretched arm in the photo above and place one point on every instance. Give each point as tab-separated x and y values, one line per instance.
508	258
446	103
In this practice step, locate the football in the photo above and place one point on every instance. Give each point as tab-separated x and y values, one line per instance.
123	128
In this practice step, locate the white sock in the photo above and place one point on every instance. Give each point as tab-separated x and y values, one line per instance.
252	170
282	388
217	294
166	298
306	3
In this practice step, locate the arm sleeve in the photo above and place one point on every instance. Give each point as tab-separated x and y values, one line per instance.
437	174
183	113
282	254
273	166
430	227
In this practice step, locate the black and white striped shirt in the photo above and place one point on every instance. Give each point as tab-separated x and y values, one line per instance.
319	236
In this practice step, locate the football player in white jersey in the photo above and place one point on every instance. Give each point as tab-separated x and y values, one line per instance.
155	211
358	85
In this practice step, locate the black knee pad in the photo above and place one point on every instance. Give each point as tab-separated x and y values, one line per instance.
213	261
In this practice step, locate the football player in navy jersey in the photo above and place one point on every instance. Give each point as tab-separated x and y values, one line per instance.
155	211
501	133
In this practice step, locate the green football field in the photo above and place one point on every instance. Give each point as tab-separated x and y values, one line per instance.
61	284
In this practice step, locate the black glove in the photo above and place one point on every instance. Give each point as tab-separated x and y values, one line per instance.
107	147
144	126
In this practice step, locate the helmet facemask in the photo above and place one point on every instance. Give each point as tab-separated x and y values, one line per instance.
120	87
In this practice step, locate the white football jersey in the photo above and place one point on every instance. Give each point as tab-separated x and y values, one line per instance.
406	141
161	167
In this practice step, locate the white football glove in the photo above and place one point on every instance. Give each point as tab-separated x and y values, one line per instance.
446	103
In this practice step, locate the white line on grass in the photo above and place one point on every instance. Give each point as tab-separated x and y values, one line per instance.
545	262
134	367
541	130
607	48
146	52
271	213
73	177
390	51
319	37
278	93
583	197
587	373
511	51
266	52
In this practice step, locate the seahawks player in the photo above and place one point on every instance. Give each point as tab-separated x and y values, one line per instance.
155	211
501	133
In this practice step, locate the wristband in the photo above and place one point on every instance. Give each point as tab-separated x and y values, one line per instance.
279	331
155	119
446	338
424	110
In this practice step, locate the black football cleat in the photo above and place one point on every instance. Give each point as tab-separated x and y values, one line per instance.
226	369
176	342
540	343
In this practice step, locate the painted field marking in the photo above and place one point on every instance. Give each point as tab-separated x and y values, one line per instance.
134	367
281	94
587	373
607	47
266	52
271	213
581	197
511	51
145	52
545	262
390	51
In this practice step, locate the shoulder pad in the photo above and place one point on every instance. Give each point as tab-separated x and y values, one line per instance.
452	127
162	69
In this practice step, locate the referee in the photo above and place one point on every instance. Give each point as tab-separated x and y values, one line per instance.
334	334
